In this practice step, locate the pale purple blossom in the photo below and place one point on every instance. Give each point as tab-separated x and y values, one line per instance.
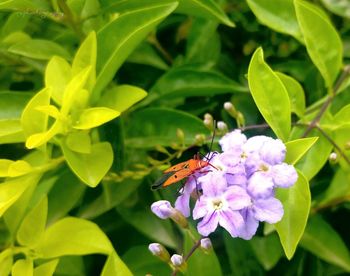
238	191
206	244
177	260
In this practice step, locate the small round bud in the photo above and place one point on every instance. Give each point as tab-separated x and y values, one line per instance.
208	116
228	106
222	126
207	122
333	157
177	260
206	244
347	146
200	138
162	209
160	251
180	134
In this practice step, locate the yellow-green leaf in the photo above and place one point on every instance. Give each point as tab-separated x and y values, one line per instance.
94	117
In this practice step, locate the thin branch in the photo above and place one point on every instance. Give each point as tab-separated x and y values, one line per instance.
328	101
334	202
189	254
335	145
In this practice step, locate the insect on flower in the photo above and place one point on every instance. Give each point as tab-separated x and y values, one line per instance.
184	169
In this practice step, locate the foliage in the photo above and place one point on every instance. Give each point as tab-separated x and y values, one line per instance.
98	97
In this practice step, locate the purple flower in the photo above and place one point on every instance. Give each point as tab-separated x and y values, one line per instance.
155	248
162	209
206	244
232	141
182	203
269	210
220	204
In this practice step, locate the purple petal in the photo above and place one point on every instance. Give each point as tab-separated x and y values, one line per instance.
232	140
237	197
213	183
252	163
232	221
162	209
260	184
254	144
208	224
250	226
269	210
230	159
182	204
284	175
273	151
200	209
236	179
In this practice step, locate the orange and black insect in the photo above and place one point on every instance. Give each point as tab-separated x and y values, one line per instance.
182	170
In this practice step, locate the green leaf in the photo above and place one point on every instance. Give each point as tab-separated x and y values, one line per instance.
19	168
11	131
11	190
64	195
23	267
115	266
92	167
204	8
203	42
94	117
39	49
296	202
113	194
160	126
295	92
187	81
243	262
12	104
57	76
338	188
268	250
79	142
46	269
38	139
140	261
270	95
73	236
4	167
297	148
23	5
277	15
341	8
122	97
16	22
341	138
323	241
342	116
147	55
312	162
74	92
323	43
201	263
114	49
32	120
33	225
148	224
6	261
86	56
71	265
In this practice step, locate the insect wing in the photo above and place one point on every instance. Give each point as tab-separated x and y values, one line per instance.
159	183
178	167
177	176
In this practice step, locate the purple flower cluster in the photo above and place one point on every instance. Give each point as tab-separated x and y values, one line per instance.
240	191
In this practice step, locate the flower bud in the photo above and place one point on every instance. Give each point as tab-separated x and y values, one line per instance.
333	157
222	126
159	251
162	209
178	263
180	134
240	119
229	107
206	244
200	139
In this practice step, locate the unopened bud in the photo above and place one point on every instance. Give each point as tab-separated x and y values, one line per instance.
208	116
206	244
159	251
164	210
229	107
333	157
347	146
177	260
180	134
178	263
240	119
200	138
222	126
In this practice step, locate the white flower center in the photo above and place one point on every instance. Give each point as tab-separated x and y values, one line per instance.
217	204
